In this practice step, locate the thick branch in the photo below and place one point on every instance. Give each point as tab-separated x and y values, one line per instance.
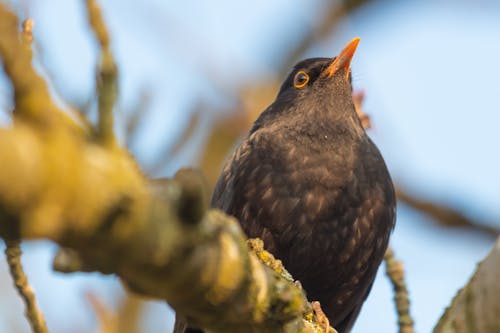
102	207
476	307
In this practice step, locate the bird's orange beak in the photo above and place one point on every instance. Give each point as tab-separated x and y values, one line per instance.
343	60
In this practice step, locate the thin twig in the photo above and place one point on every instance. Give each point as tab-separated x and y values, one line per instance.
107	75
358	97
395	271
130	312
27	38
444	215
321	28
16	60
136	115
169	151
106	317
33	312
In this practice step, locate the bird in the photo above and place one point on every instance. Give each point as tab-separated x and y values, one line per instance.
310	183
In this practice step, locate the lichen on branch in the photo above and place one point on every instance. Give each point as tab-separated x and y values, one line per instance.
58	183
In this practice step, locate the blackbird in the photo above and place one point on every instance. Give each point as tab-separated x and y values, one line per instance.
313	186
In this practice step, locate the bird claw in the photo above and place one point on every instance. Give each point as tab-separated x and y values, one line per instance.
320	316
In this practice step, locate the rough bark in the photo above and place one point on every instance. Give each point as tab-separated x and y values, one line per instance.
476	307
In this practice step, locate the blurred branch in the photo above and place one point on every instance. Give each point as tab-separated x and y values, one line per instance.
134	116
106	318
77	109
157	236
228	128
107	81
13	242
33	313
395	272
322	28
29	88
129	313
170	150
475	308
444	215
358	96
124	320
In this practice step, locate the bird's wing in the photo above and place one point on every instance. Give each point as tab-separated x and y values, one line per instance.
348	321
238	191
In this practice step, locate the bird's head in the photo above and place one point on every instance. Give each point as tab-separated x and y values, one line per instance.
314	74
317	88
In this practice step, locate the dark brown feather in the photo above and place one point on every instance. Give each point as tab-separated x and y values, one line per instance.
314	187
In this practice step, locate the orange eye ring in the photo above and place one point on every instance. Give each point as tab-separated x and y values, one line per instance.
301	79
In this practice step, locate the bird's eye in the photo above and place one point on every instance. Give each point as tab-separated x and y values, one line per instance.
300	80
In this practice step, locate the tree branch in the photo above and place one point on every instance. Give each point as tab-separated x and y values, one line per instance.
444	215
476	307
331	16
157	236
395	273
13	250
107	75
30	90
33	313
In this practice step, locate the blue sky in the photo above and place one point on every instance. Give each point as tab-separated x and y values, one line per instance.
430	71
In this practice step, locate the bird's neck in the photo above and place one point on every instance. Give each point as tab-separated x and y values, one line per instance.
344	126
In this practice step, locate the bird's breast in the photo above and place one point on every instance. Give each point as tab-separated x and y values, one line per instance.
324	205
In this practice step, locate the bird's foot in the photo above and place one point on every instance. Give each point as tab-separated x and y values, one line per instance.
320	316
